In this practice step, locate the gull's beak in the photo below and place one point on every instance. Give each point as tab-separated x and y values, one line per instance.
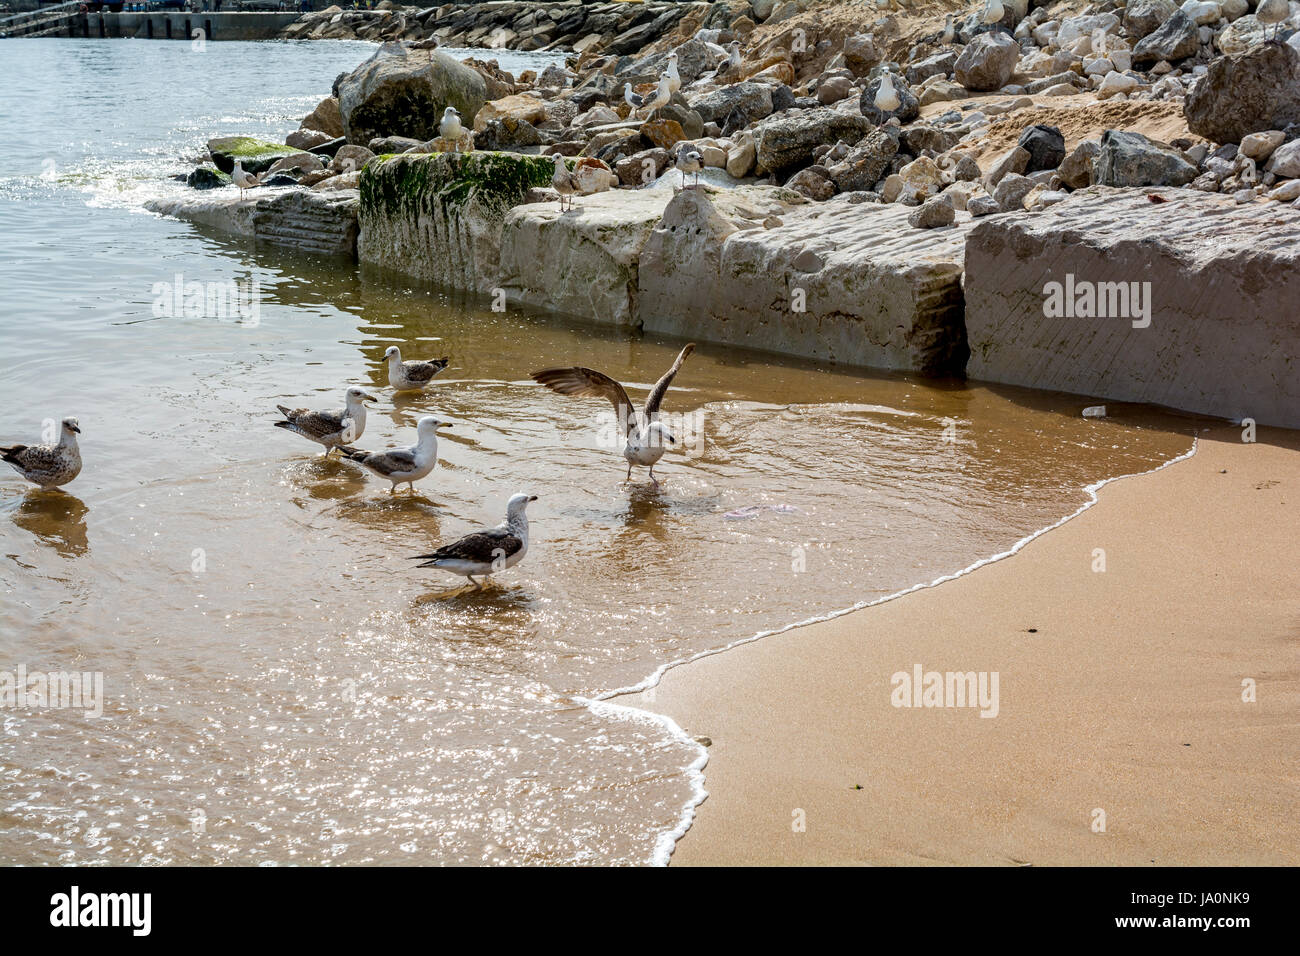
444	424
532	497
75	428
368	398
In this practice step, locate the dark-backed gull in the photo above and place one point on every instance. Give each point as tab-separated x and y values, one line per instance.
408	464
488	551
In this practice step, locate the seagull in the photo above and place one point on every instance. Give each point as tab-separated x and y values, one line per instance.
410	376
949	31
689	161
334	428
733	55
48	465
244	179
1272	11
488	551
887	99
674	78
565	183
644	440
659	98
993	12
408	464
632	99
449	126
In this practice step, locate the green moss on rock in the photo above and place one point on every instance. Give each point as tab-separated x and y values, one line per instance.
408	184
254	154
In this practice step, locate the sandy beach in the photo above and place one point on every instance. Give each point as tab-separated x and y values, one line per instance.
1119	690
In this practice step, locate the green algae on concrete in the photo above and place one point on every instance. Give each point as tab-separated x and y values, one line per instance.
408	184
255	155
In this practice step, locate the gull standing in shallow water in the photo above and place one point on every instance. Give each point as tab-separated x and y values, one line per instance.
408	464
488	551
644	441
333	428
410	376
48	465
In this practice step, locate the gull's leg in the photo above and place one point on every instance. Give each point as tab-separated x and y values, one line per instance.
473	582
392	489
654	482
629	472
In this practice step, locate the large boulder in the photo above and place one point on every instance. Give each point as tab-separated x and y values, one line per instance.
325	118
1086	297
1246	93
1046	147
1175	39
402	92
1142	17
987	62
748	102
866	163
1130	159
254	155
789	139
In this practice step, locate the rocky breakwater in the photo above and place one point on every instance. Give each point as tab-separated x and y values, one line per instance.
1187	301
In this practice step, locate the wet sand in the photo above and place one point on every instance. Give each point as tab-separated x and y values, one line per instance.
1125	697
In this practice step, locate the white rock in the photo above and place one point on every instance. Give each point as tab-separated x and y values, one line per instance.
1260	146
1114	83
1288	191
1202	11
1123	59
1097	66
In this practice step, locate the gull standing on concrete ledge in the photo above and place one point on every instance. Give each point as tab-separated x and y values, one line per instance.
644	441
408	464
332	428
410	376
48	465
565	183
242	179
488	551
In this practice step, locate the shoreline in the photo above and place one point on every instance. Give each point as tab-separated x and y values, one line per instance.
761	704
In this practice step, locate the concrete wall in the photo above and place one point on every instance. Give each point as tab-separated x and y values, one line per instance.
172	25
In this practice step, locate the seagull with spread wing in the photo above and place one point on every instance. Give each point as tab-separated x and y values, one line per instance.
644	440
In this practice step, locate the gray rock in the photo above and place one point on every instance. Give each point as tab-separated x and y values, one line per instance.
254	155
987	62
1142	17
1246	93
507	133
932	214
789	139
205	177
1046	147
1011	191
833	90
403	92
865	163
941	63
860	54
1175	39
922	137
1076	169
813	182
1285	161
381	145
1130	159
642	168
1014	160
306	138
979	206
749	101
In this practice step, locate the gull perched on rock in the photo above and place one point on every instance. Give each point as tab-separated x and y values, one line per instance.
689	161
674	78
887	99
449	126
408	464
631	98
1274	12
244	179
733	55
644	441
410	376
659	98
565	183
993	12
333	428
949	31
488	551
48	465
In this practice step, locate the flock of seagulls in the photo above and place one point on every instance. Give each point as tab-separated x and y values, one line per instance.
478	554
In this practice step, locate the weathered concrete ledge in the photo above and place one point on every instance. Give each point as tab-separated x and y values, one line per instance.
1224	293
319	222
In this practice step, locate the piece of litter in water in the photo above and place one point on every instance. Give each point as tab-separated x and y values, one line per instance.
1095	411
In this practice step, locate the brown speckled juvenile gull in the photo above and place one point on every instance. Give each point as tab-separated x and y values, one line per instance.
410	376
332	428
48	465
644	440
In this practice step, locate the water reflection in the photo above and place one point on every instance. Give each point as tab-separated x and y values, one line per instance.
56	518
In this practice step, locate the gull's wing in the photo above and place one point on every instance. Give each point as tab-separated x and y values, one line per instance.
386	462
656	396
481	546
587	382
315	424
421	373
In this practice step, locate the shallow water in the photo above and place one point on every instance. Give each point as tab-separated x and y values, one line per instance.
280	685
